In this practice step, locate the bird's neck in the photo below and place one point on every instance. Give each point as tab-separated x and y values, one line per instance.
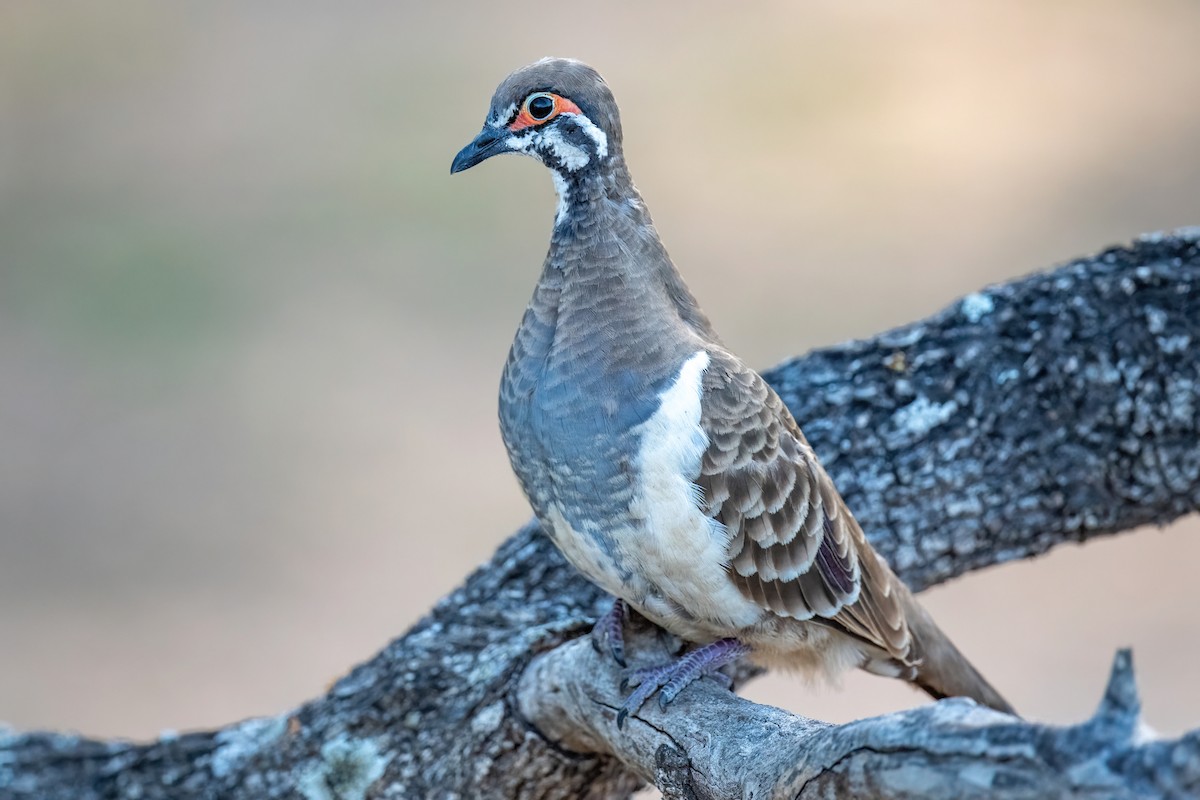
598	191
605	239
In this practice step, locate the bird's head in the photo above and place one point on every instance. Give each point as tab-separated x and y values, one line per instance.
557	110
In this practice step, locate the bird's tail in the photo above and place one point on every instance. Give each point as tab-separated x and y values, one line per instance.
942	670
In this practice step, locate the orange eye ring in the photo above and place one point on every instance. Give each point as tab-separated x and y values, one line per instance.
535	111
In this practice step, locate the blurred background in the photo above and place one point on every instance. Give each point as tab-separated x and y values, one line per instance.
251	330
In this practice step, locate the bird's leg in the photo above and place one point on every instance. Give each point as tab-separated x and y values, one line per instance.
672	678
609	632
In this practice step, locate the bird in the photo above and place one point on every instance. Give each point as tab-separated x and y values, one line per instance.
664	468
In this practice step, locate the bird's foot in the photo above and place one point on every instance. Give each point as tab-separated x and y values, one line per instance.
609	632
669	679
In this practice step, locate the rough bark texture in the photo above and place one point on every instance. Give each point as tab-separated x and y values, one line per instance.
1055	408
952	749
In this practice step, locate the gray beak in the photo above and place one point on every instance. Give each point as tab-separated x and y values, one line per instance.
488	143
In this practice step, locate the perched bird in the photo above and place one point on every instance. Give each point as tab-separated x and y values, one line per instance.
665	469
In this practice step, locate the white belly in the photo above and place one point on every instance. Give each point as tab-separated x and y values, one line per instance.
673	559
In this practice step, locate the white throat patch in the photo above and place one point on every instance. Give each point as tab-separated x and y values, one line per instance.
564	196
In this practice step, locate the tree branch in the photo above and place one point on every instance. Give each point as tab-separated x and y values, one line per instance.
718	745
1055	408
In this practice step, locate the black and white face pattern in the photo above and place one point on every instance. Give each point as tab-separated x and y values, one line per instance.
557	111
554	130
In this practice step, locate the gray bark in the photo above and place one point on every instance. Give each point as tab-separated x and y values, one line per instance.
1055	408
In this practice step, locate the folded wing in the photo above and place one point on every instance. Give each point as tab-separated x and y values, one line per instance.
795	549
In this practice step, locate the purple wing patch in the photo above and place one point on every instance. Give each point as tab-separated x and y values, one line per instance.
836	568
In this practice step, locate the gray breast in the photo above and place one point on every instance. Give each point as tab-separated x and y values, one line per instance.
568	416
586	369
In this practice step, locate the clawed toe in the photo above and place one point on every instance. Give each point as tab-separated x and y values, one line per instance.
609	632
643	675
668	680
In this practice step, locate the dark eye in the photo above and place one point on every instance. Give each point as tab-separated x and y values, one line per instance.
541	106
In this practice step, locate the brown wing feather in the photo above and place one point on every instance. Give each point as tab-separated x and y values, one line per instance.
795	549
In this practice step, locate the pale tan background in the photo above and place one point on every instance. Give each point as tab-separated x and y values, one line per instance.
251	329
